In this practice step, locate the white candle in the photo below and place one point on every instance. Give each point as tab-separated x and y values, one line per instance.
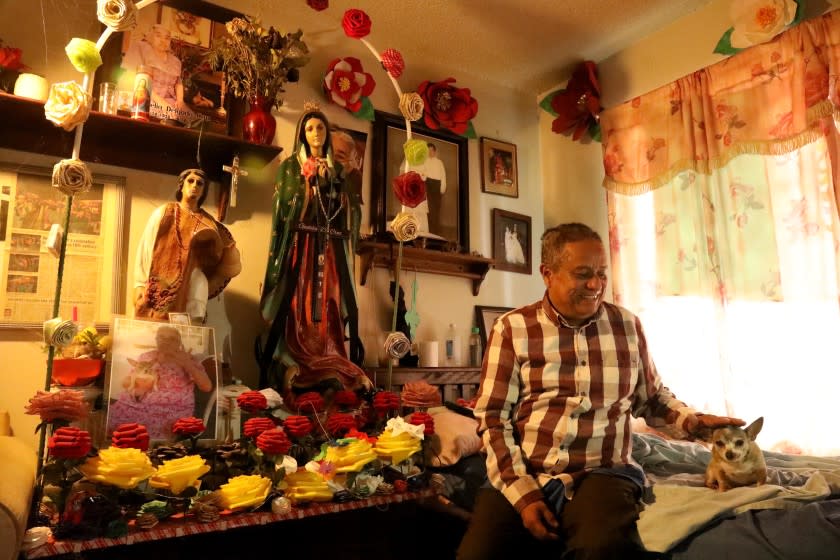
32	86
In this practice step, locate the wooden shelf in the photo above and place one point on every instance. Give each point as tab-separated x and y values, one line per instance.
384	255
124	142
433	375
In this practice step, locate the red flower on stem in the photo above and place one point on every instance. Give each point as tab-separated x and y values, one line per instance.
578	105
69	443
392	62
255	426
346	83
347	399
386	401
409	188
447	106
274	442
10	58
339	423
310	403
318	5
297	426
356	24
423	419
191	426
252	402
131	435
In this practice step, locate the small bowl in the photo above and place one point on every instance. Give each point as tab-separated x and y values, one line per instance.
75	372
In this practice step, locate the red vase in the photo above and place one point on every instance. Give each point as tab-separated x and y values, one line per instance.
258	124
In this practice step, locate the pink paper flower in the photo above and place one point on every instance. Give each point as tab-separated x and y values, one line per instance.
65	404
346	83
356	24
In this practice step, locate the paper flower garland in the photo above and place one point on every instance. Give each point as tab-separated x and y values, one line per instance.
119	15
83	55
577	107
348	85
67	105
757	21
448	107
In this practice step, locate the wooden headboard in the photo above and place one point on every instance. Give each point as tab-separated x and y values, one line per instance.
454	383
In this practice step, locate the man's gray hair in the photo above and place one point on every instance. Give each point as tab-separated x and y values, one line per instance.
555	238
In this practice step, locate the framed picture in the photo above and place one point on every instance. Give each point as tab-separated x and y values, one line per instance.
511	241
485	316
29	206
161	372
444	215
499	171
171	40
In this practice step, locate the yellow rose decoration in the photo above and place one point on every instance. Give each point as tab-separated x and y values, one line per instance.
83	55
67	105
122	467
411	106
405	226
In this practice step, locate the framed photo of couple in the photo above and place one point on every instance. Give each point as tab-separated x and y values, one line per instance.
511	241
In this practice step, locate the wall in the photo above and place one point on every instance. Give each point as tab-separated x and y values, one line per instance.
503	114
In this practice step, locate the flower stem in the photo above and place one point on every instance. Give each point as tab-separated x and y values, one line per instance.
394	316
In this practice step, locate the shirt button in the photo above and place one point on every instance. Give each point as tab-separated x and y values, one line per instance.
562	448
583	362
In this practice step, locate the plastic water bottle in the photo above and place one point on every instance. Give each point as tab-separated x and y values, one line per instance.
451	345
475	348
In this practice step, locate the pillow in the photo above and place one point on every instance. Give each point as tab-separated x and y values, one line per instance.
455	437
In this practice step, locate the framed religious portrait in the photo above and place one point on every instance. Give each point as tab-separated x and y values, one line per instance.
29	207
511	241
444	215
161	372
171	42
499	172
485	316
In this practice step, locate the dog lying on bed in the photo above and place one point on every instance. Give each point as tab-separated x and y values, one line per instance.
736	458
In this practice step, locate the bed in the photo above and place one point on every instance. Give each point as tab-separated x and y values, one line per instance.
796	515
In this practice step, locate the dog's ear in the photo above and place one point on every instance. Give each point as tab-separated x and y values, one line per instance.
754	428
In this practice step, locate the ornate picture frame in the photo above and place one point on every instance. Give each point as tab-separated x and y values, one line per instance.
485	316
447	197
499	169
511	241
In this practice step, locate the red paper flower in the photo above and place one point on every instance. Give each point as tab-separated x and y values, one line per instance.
10	58
309	403
255	426
191	426
356	24
409	188
386	401
578	105
318	5
69	443
423	419
466	403
354	433
131	435
447	106
297	426
392	62
347	399
346	82
339	423
252	402
274	442
400	486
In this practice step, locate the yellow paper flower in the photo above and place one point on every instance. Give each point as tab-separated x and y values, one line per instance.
123	467
405	226
83	55
176	475
758	21
245	491
351	457
71	176
411	106
119	15
416	152
67	106
399	441
306	486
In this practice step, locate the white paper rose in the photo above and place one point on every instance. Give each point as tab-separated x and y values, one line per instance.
758	21
411	106
68	105
119	15
71	177
405	226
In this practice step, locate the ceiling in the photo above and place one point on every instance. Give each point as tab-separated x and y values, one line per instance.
526	45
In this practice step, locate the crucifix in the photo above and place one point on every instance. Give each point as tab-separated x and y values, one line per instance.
235	173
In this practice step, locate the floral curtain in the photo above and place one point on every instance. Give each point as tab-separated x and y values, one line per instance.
725	234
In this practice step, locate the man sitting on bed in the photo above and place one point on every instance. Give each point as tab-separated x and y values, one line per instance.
560	382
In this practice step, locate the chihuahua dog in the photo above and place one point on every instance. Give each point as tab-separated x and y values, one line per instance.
736	458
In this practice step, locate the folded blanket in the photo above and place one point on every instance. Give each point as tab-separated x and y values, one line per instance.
683	505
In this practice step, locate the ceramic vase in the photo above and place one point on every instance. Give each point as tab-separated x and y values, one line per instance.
258	124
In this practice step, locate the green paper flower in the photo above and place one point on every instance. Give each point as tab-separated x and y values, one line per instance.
416	152
83	54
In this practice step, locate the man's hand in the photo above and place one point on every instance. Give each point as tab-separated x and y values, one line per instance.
540	521
702	425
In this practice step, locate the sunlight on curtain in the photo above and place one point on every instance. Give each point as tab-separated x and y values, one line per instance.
736	277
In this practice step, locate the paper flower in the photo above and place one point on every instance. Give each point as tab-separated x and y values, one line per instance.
420	394
245	491
65	404
758	21
411	106
346	399
69	443
416	152
83	55
119	15
448	107
67	105
338	423
131	435
386	401
59	332
310	402
466	403
176	475
405	227
318	5
252	402
397	344
274	442
188	427
306	486
346	83
356	24
578	105
272	397
351	456
392	62
72	177
255	426
399	441
121	467
423	419
10	58
409	188
297	426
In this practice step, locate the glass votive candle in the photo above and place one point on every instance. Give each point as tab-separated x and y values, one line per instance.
108	98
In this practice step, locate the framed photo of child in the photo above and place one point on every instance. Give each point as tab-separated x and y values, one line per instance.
161	372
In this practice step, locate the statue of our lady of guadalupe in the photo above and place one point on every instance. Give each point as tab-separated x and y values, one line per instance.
308	296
